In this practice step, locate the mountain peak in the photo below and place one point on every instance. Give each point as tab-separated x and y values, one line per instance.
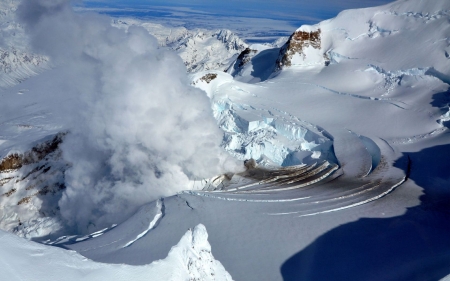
304	47
230	39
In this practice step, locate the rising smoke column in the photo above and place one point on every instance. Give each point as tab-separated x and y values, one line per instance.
138	131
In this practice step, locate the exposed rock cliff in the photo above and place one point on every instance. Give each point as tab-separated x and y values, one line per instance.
304	47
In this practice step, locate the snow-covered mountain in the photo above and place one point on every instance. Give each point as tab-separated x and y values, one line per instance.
200	49
377	40
344	129
17	63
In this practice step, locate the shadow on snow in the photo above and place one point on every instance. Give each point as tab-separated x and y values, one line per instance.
414	246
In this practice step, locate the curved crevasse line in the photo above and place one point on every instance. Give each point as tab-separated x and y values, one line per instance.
417	138
360	203
204	194
312	127
360	190
386	100
266	180
324	173
372	148
272	179
388	144
327	174
158	216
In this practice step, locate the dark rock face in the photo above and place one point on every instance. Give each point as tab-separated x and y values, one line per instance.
296	44
244	57
209	77
36	154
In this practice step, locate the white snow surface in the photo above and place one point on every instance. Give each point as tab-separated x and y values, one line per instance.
200	49
352	156
152	224
271	138
17	62
190	259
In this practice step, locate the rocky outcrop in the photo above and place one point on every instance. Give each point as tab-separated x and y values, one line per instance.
302	48
31	184
12	59
208	50
209	77
244	57
200	49
231	41
37	153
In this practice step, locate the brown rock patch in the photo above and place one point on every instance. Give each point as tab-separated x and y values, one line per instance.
298	41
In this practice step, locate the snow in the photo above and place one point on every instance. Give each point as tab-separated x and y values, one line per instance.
190	259
17	63
200	49
258	133
151	225
308	28
256	66
352	155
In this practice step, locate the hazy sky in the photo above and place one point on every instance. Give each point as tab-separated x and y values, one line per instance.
288	9
253	20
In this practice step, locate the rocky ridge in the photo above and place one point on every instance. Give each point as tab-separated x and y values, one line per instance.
200	49
298	48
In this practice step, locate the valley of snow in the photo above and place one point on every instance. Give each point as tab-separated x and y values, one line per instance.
343	127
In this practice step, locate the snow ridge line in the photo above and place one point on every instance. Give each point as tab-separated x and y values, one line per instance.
417	138
386	100
310	126
207	194
153	223
362	202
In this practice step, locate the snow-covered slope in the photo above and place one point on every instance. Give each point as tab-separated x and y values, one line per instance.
190	259
303	48
17	63
200	49
375	37
380	102
270	137
254	64
347	122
